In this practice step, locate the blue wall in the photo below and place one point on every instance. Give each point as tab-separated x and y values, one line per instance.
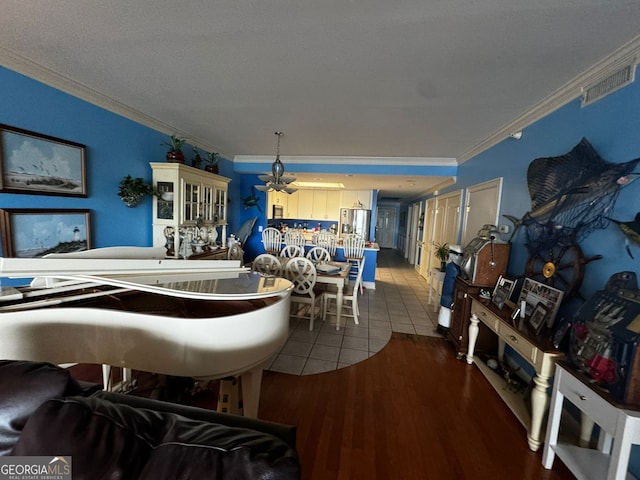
115	147
612	126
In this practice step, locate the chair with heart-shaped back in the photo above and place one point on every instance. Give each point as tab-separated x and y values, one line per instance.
318	255
290	251
267	264
302	273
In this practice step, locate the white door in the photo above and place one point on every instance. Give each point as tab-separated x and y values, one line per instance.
386	227
482	204
414	212
419	236
427	240
446	227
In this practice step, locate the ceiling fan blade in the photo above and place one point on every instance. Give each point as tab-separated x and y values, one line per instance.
262	188
266	178
285	179
290	190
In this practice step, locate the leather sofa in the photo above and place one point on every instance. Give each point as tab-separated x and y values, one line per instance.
44	411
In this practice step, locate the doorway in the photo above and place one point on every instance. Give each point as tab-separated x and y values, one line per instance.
386	227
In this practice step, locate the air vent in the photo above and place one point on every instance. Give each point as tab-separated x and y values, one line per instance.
613	82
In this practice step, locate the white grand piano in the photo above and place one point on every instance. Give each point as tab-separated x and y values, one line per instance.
204	319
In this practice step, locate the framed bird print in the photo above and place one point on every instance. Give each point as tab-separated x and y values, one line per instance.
38	164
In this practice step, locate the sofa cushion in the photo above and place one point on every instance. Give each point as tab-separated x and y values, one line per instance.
23	387
107	440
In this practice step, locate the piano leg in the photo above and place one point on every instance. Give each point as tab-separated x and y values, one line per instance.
125	385
251	382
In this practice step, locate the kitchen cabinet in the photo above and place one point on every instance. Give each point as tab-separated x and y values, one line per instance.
189	197
277	198
291	209
355	199
305	204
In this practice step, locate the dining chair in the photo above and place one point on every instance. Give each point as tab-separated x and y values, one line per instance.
328	241
235	252
290	251
272	240
354	253
302	273
294	236
349	299
267	264
318	255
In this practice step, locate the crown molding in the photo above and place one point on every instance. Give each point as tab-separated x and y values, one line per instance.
50	77
625	55
356	160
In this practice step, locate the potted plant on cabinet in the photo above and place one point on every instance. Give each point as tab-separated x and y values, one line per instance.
133	189
212	162
175	144
442	253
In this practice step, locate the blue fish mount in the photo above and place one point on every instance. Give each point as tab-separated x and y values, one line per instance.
252	200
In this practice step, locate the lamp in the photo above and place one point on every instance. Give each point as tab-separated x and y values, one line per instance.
277	180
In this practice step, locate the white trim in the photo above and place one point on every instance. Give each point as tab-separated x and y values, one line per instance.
65	84
571	90
341	160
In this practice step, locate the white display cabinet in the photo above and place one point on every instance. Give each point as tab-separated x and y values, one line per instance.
191	203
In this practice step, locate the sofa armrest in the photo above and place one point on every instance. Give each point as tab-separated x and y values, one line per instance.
286	433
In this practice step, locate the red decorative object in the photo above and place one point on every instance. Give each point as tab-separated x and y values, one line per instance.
175	157
211	168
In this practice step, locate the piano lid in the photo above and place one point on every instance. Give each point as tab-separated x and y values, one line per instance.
201	279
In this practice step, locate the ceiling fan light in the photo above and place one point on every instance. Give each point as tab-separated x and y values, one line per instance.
289	190
262	188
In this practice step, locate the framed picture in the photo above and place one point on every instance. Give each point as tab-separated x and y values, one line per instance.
31	233
41	165
534	293
502	291
538	317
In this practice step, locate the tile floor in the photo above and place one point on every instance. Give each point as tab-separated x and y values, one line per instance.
398	304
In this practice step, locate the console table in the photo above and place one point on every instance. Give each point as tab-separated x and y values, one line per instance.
615	422
537	351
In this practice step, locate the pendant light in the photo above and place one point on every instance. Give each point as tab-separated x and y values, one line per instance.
277	181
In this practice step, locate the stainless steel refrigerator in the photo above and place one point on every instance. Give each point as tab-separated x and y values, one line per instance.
355	220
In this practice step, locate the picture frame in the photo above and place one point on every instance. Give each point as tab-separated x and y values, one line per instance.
32	233
502	291
534	293
38	164
538	317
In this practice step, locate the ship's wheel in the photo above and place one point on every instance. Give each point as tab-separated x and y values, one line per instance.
560	266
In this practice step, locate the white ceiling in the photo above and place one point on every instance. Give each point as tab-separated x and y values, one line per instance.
368	78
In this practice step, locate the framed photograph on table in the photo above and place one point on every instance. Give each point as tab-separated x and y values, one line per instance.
502	291
41	165
32	233
538	317
534	293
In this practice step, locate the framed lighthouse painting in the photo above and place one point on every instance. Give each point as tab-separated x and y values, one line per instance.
32	233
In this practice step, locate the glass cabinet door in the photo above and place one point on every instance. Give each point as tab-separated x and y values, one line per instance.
191	201
221	205
207	203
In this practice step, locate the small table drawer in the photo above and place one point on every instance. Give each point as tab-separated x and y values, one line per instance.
518	342
485	316
588	401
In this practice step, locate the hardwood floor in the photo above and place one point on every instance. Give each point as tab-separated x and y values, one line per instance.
410	412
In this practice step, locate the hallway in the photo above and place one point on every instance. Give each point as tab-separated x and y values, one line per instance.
398	304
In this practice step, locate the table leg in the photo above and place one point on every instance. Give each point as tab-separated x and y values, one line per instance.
339	300
473	336
251	382
539	401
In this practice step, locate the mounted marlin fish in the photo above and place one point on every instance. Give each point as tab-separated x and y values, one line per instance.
571	195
